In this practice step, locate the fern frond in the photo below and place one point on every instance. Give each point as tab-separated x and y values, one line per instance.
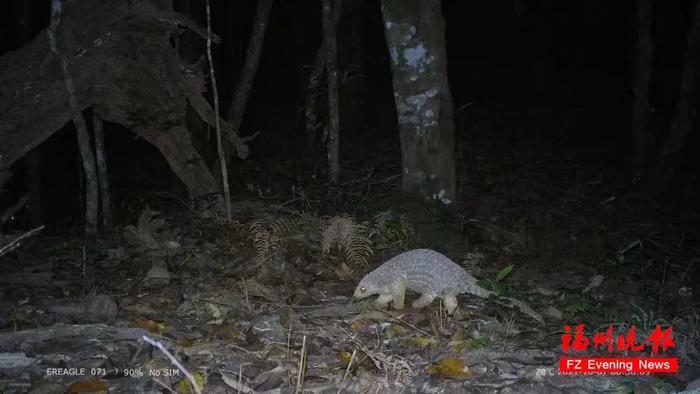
349	237
391	228
271	233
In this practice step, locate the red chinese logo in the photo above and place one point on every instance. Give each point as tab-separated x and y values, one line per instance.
658	339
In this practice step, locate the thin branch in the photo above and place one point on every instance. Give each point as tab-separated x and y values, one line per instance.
17	241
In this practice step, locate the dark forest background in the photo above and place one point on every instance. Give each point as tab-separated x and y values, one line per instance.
555	74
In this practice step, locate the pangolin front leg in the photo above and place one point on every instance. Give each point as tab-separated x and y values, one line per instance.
450	302
383	300
423	301
398	294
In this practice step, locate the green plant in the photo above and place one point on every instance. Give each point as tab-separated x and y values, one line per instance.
496	285
388	227
573	304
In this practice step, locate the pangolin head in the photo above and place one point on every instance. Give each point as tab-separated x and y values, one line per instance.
365	289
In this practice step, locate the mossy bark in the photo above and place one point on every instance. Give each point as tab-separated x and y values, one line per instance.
415	35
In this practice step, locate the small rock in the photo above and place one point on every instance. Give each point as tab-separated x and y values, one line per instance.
101	308
172	245
545	291
552	313
158	276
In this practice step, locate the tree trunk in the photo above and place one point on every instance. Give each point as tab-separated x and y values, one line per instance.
91	196
314	91
102	173
641	123
252	58
329	40
686	105
415	35
24	14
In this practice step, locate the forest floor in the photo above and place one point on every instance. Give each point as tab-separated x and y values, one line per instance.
262	304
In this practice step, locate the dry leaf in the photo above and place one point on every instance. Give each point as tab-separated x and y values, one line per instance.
343	272
449	367
184	387
344	357
87	386
458	335
358	325
213	310
421	341
394	330
149	325
468	344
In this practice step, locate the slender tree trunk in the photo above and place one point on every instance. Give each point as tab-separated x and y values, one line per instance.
219	143
686	107
312	123
314	86
329	39
88	159
415	35
102	172
252	58
642	78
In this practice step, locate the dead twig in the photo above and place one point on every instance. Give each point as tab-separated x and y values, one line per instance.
347	371
385	180
175	362
364	349
302	365
164	386
17	241
288	355
407	324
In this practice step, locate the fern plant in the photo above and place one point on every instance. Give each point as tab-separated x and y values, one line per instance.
147	226
391	228
271	234
347	236
573	304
